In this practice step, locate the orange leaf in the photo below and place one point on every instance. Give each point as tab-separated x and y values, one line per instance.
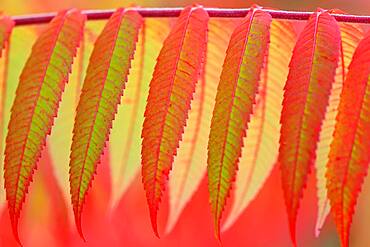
171	91
349	154
307	90
36	104
234	104
351	34
190	164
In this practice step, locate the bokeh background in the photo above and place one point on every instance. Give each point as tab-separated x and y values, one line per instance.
46	218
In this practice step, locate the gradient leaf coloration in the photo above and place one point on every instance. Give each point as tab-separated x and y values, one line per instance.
306	95
103	87
351	34
349	154
36	104
190	164
125	139
261	146
171	91
235	98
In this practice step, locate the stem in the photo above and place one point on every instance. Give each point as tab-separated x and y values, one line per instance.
174	12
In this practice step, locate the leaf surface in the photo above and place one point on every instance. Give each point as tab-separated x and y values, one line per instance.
171	91
349	154
234	104
261	146
22	39
125	139
190	164
103	87
36	104
351	34
306	95
60	140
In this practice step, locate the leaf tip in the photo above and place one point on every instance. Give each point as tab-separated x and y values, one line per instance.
14	223
292	232
217	230
344	236
153	220
79	226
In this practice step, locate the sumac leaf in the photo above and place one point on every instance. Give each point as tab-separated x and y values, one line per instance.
261	146
349	154
351	34
190	164
234	104
171	91
306	95
36	104
125	139
101	94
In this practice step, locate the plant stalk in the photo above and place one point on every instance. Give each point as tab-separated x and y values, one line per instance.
175	12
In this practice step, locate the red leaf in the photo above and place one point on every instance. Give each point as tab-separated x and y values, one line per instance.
171	91
307	90
235	97
190	164
351	35
349	155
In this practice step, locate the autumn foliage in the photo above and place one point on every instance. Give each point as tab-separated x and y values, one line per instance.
227	99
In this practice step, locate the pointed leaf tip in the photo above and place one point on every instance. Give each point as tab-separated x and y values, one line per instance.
153	220
351	34
306	94
261	145
101	94
14	223
171	91
234	103
190	164
78	223
36	104
349	151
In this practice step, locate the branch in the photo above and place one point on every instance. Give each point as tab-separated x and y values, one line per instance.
175	12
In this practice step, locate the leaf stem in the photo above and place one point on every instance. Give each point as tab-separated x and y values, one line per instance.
175	12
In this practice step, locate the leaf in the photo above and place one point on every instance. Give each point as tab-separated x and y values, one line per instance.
306	94
22	39
125	139
101	94
60	140
234	104
351	34
191	161
37	98
349	150
171	90
261	146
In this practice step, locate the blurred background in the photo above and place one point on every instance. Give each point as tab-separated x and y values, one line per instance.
46	218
